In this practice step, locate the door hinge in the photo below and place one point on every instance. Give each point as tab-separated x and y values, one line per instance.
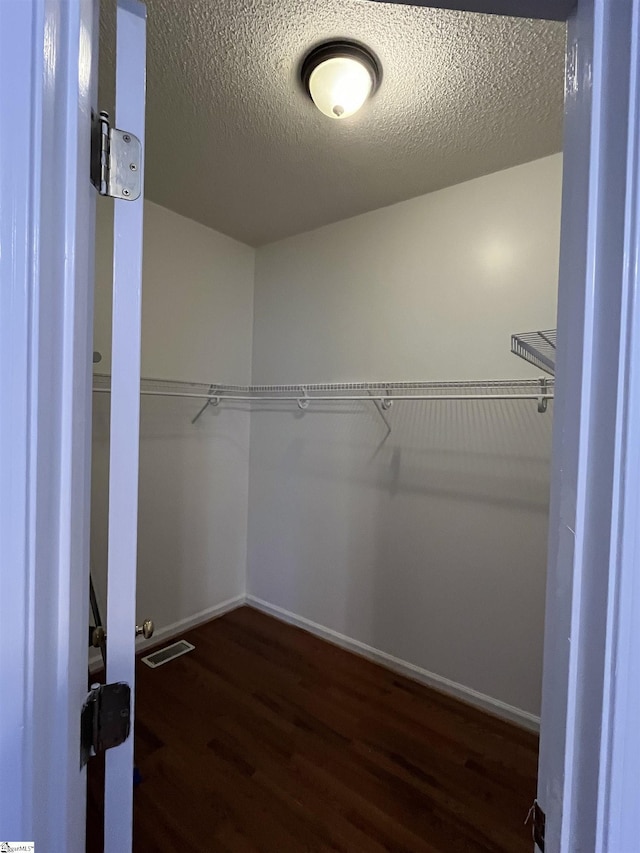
116	160
105	721
538	818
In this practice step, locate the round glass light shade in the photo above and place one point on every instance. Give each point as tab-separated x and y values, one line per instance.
339	86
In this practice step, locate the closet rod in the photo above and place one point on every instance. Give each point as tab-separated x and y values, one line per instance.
380	397
342	398
196	396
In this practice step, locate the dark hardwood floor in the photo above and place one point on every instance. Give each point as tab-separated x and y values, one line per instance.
266	738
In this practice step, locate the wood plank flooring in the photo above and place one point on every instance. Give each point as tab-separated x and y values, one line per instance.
268	739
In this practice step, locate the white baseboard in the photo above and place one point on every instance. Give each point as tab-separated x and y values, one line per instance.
176	628
430	679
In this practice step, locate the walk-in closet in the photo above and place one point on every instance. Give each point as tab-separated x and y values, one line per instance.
348	340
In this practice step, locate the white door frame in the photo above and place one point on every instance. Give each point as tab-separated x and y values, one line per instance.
590	737
590	748
47	76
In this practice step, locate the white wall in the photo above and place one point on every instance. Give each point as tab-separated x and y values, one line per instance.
429	546
197	316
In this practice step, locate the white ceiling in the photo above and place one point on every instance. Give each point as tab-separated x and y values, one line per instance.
234	143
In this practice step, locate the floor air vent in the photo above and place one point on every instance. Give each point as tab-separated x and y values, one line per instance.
168	653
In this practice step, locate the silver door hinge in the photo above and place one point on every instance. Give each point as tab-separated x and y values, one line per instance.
116	160
105	720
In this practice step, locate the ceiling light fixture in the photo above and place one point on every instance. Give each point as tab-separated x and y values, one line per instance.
339	76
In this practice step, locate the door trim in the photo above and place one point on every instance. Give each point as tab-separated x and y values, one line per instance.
47	75
592	596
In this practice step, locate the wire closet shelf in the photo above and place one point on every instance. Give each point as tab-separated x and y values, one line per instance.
538	348
382	394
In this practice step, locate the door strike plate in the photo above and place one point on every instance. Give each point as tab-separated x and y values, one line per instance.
105	720
539	822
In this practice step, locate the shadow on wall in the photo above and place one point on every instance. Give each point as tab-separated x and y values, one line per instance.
429	545
494	452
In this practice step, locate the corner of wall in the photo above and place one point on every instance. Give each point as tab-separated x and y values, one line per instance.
247	567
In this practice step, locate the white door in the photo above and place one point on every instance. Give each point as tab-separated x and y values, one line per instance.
125	412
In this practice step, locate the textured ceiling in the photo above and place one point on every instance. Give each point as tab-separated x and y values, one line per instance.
233	142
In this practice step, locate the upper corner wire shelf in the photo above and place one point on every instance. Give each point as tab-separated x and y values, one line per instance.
538	348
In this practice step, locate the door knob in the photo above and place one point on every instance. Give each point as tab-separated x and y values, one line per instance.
146	629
